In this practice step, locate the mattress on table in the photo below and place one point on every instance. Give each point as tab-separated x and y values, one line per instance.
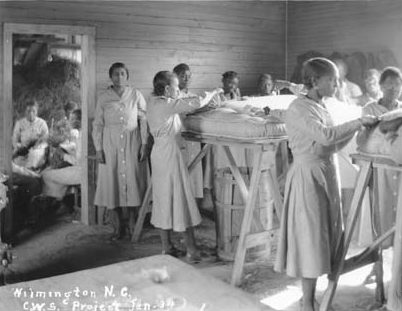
278	104
225	122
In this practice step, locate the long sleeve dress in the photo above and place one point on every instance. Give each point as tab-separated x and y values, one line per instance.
387	183
119	129
190	149
174	206
311	221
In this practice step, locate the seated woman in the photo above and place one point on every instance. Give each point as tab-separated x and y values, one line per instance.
373	91
29	149
56	181
69	108
230	81
347	91
267	86
30	130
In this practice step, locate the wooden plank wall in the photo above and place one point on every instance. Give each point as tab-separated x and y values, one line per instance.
344	26
212	37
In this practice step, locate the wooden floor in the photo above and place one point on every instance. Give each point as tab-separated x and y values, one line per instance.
68	247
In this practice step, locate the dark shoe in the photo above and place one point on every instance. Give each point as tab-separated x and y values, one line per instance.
197	257
175	252
193	258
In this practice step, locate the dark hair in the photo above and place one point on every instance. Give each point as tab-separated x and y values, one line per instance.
69	106
118	65
181	68
316	68
31	103
77	113
161	80
390	72
263	77
371	72
229	75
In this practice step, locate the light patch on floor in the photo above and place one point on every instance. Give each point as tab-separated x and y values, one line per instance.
284	299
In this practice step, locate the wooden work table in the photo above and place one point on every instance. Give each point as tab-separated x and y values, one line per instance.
121	283
260	147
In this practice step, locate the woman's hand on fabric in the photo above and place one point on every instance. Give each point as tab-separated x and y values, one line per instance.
390	126
369	121
282	84
144	151
100	156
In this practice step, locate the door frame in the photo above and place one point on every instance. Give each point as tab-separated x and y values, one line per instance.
88	81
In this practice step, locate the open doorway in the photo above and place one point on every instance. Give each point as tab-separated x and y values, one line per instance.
49	73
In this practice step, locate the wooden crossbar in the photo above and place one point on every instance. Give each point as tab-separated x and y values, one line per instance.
371	254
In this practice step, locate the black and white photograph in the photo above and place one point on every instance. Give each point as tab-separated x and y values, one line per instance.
201	155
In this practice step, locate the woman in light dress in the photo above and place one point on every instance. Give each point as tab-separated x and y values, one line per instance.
386	181
373	91
311	222
190	149
57	181
174	207
120	137
29	141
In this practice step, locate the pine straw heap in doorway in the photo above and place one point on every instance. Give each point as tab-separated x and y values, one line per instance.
52	85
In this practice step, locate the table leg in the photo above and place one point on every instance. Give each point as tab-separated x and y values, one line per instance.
276	193
236	173
199	156
395	288
247	218
377	232
361	185
144	209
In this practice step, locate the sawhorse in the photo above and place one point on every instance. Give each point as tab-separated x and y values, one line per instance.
249	194
373	253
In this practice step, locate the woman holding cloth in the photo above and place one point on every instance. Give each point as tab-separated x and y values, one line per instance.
174	207
311	222
120	137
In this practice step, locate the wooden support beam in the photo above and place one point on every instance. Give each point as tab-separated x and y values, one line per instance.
361	185
236	173
359	261
276	193
144	210
199	157
369	255
395	288
246	223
